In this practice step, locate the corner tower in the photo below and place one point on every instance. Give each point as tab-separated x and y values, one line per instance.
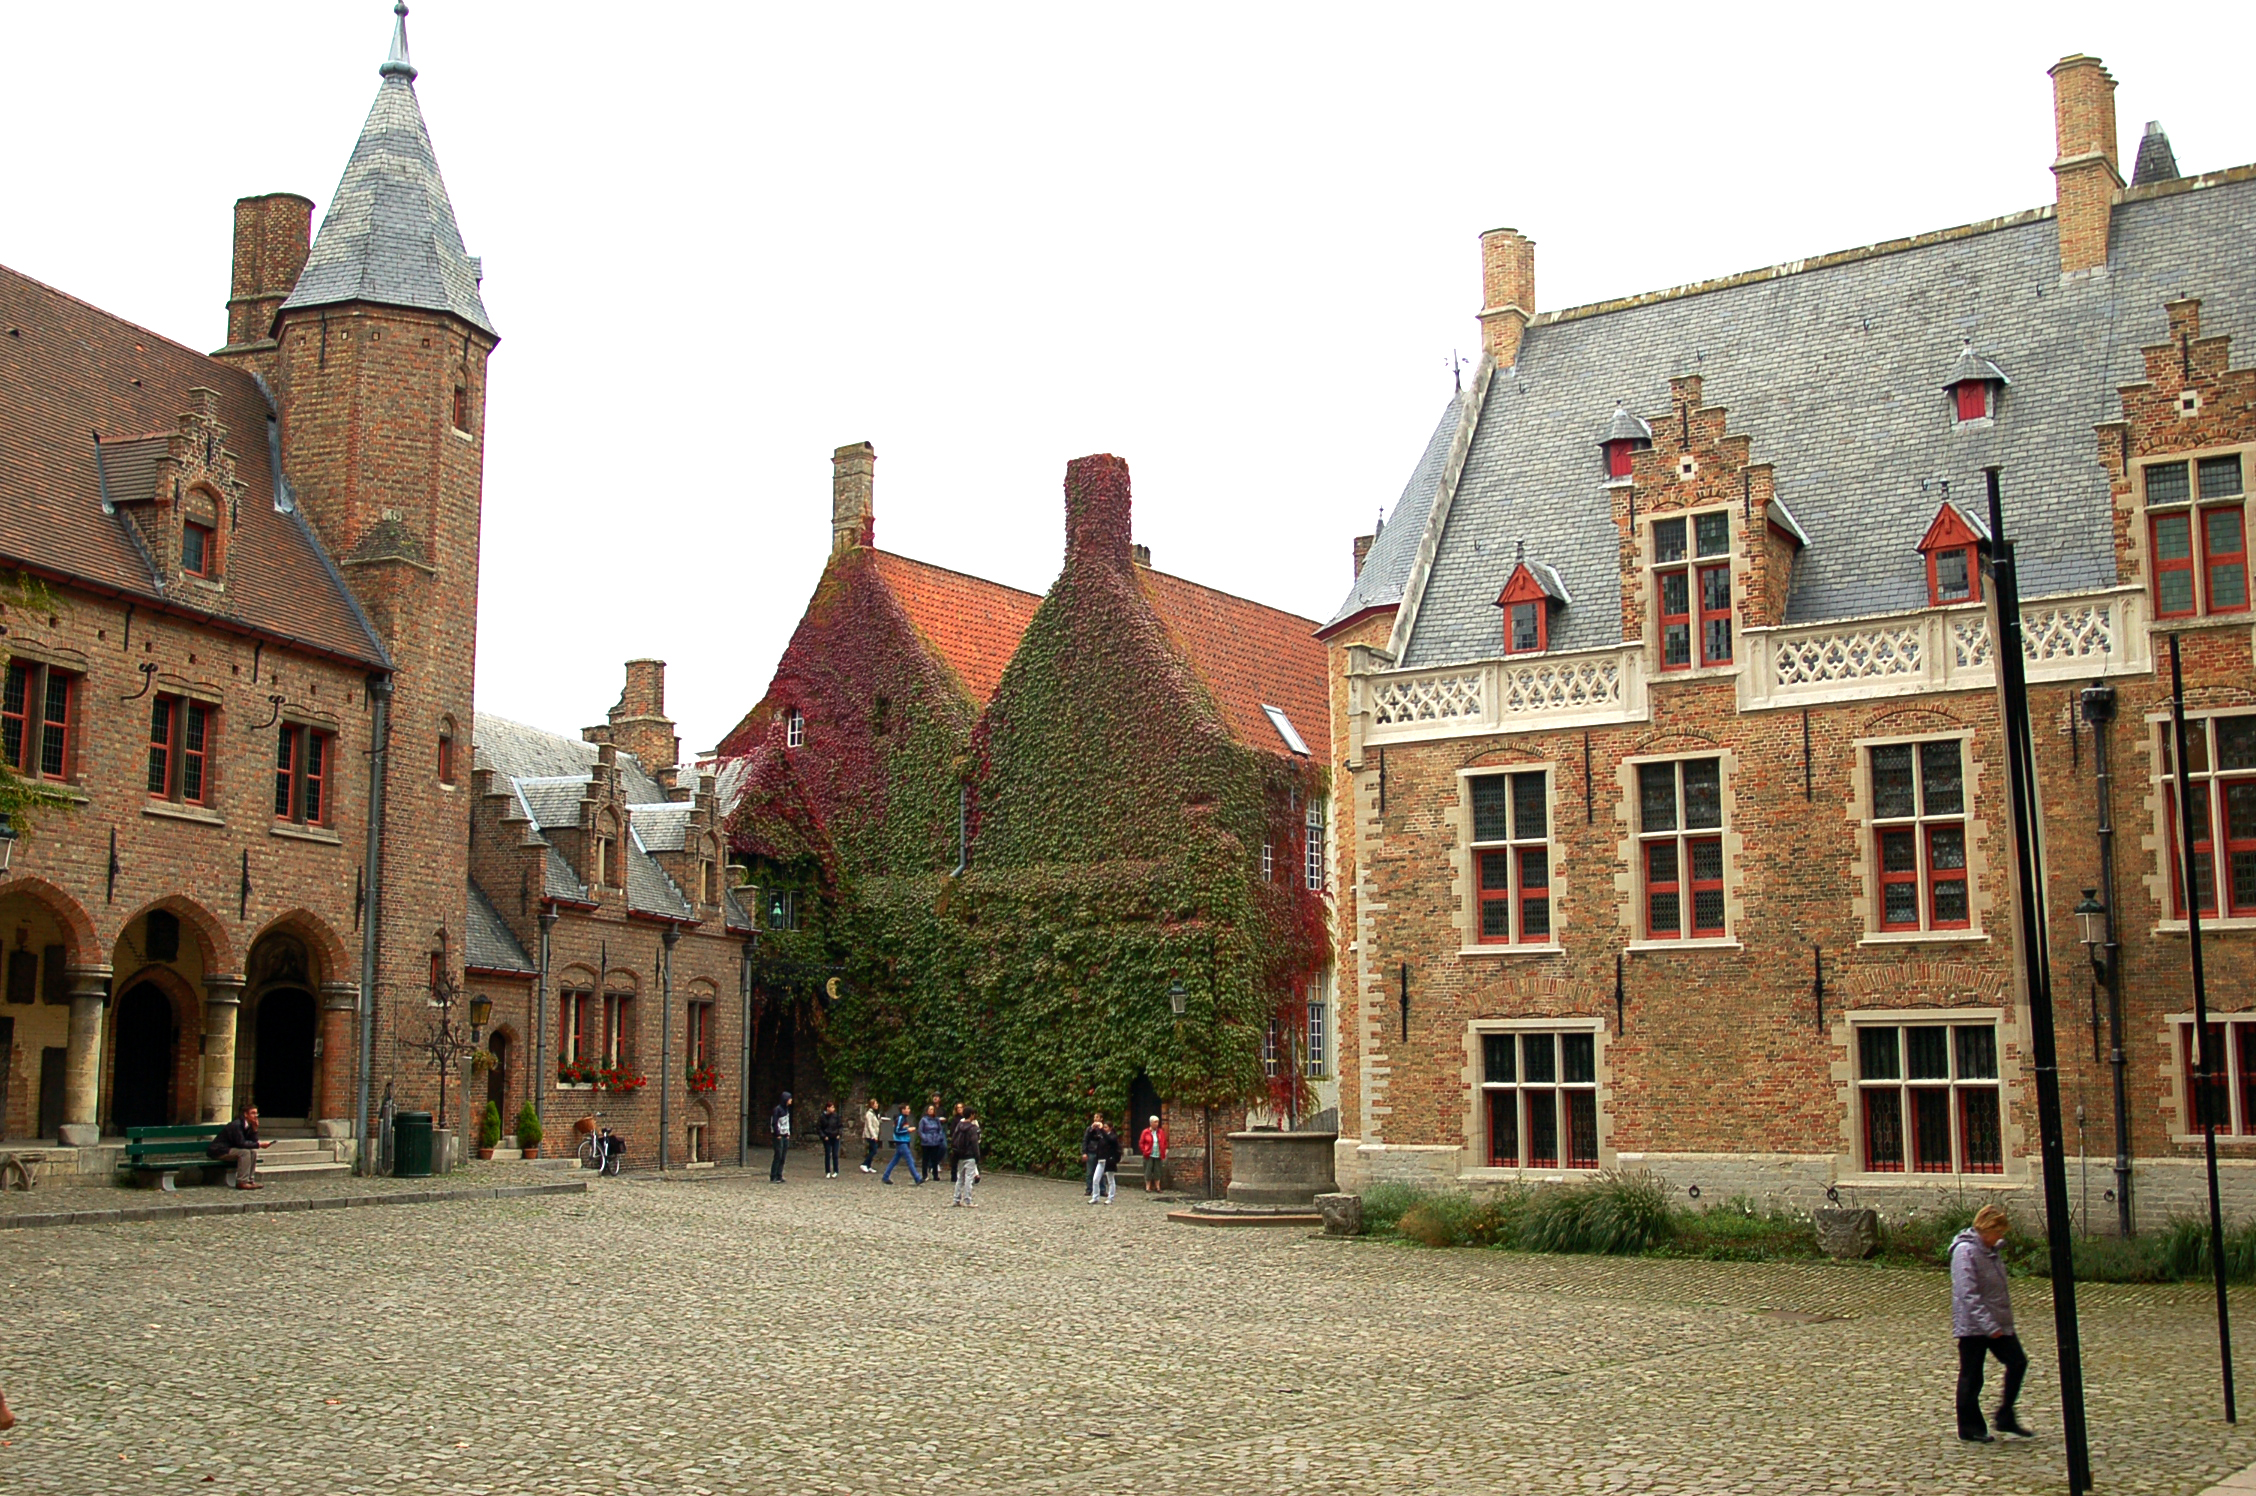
377	364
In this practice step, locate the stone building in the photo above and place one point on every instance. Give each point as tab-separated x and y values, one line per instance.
1668	747
249	665
1014	824
603	928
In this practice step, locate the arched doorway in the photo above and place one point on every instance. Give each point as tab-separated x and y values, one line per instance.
497	1079
282	1083
141	1072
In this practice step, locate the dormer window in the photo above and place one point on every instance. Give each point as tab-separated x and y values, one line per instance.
1527	600
1692	584
1973	386
1954	571
1626	435
199	549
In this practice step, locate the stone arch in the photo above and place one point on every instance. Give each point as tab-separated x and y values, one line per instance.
211	934
150	1070
507	1077
279	1041
81	946
331	959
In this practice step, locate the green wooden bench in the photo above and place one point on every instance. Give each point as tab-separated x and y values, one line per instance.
156	1155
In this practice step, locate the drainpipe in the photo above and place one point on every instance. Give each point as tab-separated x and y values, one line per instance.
372	879
667	937
744	1071
540	1081
2099	710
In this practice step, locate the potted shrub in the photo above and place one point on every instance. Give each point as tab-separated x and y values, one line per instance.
528	1130
489	1130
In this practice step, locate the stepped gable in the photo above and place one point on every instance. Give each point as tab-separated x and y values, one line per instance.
1831	367
971	623
71	371
550	774
1250	656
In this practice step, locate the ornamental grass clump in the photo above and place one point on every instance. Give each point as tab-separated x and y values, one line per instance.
1442	1220
1386	1204
1616	1214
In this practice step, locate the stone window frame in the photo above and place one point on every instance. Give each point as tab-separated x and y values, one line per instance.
2240	1086
1864	867
1473	1080
1465	863
576	985
1317	1048
2160	879
1696	666
2017	1166
302	732
1629	871
2141	534
38	672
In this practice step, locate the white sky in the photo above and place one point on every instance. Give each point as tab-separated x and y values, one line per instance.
1235	245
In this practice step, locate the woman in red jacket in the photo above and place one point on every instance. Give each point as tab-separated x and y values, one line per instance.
1153	1146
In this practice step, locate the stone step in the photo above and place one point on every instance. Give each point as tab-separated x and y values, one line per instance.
268	1165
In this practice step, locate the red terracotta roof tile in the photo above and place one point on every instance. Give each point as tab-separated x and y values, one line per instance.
1250	656
69	370
973	624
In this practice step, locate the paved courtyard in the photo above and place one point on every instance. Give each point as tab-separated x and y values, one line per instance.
838	1337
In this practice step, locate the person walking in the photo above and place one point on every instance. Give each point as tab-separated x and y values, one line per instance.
829	1127
1112	1160
1982	1319
963	1144
1096	1152
954	1118
904	1138
1153	1146
873	1132
779	1121
932	1137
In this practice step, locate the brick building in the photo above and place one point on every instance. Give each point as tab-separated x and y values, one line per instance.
1668	748
940	760
251	667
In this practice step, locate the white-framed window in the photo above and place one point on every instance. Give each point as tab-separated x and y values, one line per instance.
1539	1098
580	1020
1268	862
794	729
1312	858
1511	847
1692	588
1272	1048
618	1027
1928	1097
1319	1041
2221	1083
1919	834
1680	849
2221	783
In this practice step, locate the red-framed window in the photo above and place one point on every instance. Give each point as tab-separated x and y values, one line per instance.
2224	1087
1512	856
179	734
1953	576
2173	564
446	754
1682	868
462	407
39	720
1928	1099
576	1016
618	1027
1692	583
1919	834
304	766
1539	1092
1619	455
1973	399
698	1040
17	730
2221	788
1524	628
2197	527
199	549
2224	558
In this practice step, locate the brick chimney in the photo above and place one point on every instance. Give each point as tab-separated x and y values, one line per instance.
1363	544
2086	171
1507	292
273	234
1096	511
853	497
639	722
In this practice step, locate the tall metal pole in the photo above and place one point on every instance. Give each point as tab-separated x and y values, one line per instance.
744	1071
2036	965
372	906
541	1079
666	937
2099	711
2206	1063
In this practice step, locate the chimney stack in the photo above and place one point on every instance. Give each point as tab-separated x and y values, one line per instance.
1096	511
1507	292
853	497
2086	171
1142	555
639	722
1363	544
273	235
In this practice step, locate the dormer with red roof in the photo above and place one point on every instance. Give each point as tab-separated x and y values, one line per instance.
1529	595
1954	572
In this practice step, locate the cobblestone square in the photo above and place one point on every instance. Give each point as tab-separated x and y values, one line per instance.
842	1337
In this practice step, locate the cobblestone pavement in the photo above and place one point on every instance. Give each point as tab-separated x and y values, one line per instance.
102	1192
730	1335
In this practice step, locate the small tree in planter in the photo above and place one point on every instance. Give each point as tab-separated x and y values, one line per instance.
528	1130
489	1130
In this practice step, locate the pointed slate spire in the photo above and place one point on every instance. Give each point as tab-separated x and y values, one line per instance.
389	236
2156	161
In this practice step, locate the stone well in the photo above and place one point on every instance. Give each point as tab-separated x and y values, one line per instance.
1281	1168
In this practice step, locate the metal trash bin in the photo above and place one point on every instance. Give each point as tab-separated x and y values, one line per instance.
411	1145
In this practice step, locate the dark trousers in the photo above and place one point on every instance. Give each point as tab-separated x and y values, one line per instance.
830	1155
869	1152
1971	1349
783	1146
932	1155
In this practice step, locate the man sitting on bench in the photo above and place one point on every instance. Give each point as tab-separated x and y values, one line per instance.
240	1141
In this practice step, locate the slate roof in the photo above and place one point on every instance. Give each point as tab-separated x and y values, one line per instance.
1832	370
489	946
662	828
1386	570
550	774
1250	656
389	235
515	751
67	371
649	890
971	623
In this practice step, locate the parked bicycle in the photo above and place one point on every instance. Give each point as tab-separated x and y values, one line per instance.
601	1149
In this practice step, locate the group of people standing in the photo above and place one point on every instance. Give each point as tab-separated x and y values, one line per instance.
1101	1152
